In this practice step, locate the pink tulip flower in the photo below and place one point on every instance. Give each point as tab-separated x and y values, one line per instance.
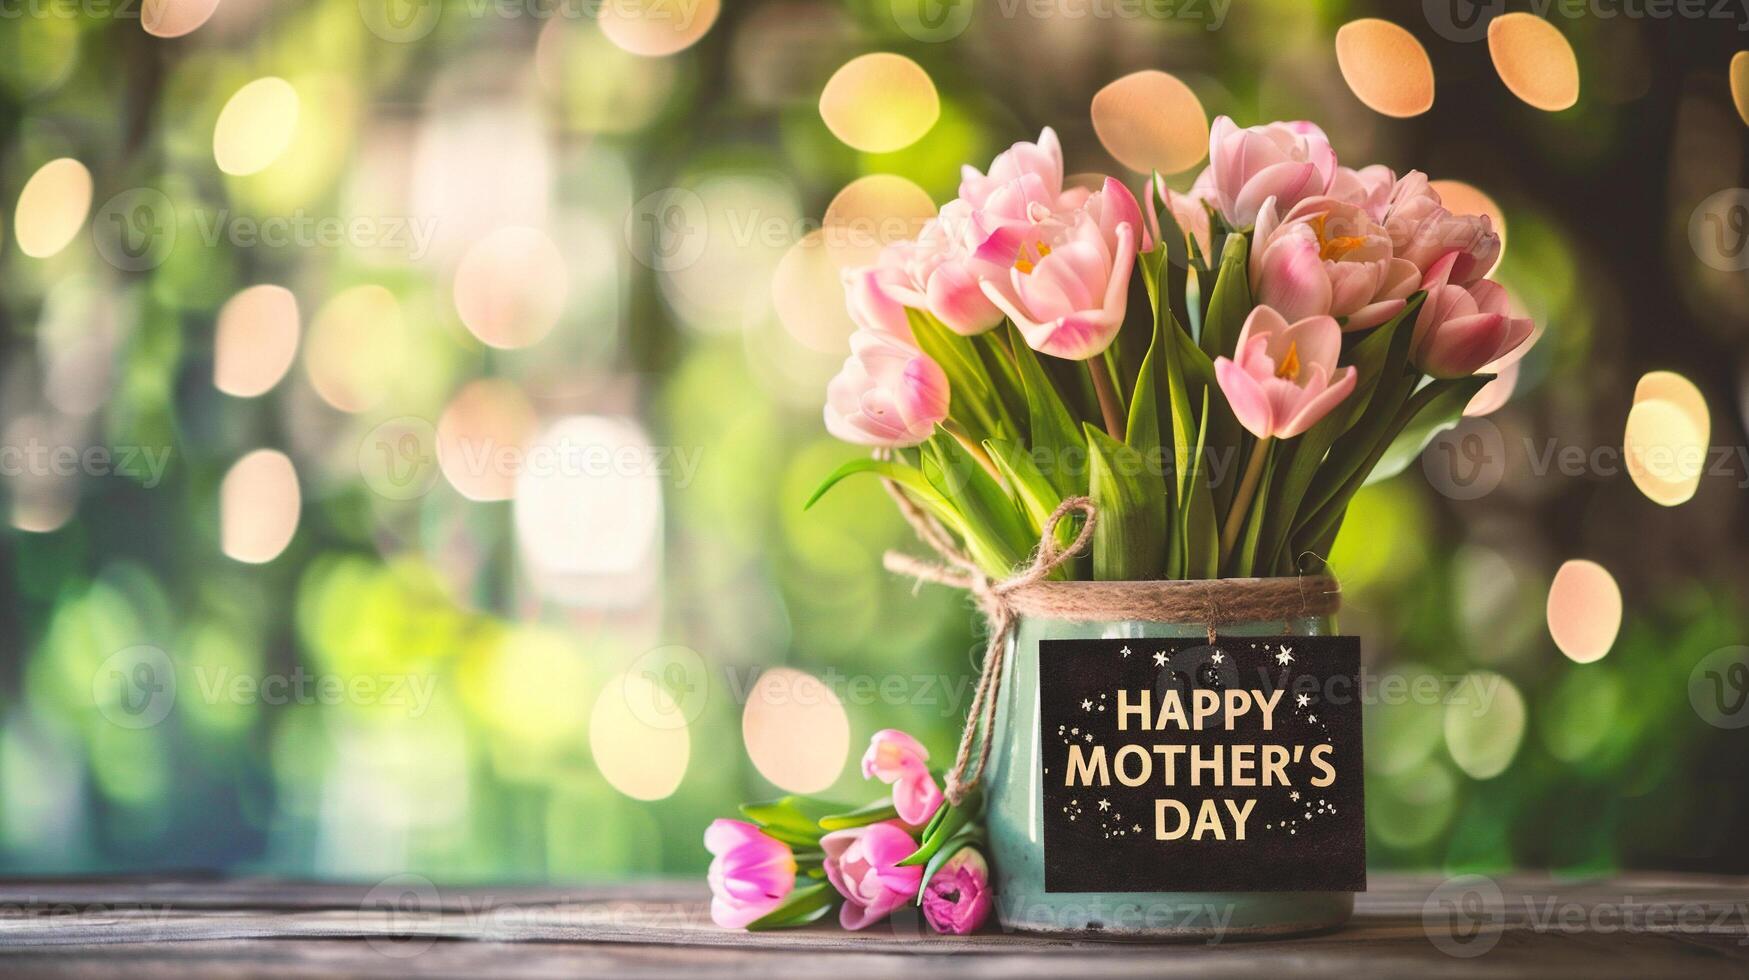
1328	257
1461	329
1423	231
956	901
1022	176
1186	209
934	272
888	393
1368	188
863	864
1496	393
900	761
1065	280
1289	161
1283	377
750	874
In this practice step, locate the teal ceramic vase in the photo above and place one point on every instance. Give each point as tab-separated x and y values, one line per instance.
1015	819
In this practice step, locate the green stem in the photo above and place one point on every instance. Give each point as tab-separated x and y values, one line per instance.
965	439
1108	404
1242	500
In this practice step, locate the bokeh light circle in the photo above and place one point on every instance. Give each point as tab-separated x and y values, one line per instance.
259	503
256	340
657	28
510	287
1535	61
52	207
1150	120
174	18
807	292
1740	84
643	761
356	343
1584	610
1385	67
870	213
880	102
256	126
795	730
482	436
1484	724
1665	450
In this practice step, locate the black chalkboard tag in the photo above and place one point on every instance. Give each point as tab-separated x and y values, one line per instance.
1177	766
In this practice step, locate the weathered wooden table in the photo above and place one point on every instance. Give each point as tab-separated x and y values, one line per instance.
1522	925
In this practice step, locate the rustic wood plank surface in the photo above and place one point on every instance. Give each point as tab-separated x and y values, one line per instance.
1638	925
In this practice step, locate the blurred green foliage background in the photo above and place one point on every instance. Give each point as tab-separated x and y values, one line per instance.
515	633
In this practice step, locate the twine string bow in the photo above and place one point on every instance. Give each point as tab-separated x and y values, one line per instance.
959	571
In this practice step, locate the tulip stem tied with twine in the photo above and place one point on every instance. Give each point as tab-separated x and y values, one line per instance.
1029	591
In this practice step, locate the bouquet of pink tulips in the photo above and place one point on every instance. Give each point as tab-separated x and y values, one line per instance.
1303	320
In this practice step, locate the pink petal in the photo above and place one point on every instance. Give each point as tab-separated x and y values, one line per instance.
1244	396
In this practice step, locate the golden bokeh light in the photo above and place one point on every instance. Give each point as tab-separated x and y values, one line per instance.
795	730
643	761
588	511
870	213
1484	723
808	295
1385	67
510	287
1679	391
1151	121
256	340
1740	84
258	506
52	207
174	18
880	102
1461	198
255	126
1665	449
1584	610
482	437
356	343
656	28
1535	61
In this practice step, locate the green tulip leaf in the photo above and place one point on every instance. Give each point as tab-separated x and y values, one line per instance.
1056	437
807	903
1129	540
1230	302
876	812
